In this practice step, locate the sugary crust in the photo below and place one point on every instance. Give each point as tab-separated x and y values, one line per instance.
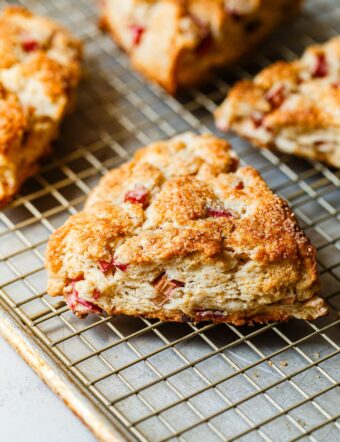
183	218
13	120
176	42
39	71
294	107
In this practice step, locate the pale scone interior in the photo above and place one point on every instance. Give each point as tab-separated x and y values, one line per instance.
39	70
294	106
182	233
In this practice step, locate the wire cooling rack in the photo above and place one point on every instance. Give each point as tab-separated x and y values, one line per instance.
150	380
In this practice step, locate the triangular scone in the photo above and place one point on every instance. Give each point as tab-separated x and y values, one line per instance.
182	233
39	72
294	107
176	43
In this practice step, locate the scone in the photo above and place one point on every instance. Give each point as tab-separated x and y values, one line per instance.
294	107
176	42
39	71
182	233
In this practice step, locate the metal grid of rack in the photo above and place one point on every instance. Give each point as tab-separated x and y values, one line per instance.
158	381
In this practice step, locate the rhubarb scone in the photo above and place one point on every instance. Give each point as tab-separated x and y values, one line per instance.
294	107
176	42
182	233
39	71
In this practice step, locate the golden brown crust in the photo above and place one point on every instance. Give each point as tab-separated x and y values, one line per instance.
93	229
39	70
13	121
291	106
176	43
183	212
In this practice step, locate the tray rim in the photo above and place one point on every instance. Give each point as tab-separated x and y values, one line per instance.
22	340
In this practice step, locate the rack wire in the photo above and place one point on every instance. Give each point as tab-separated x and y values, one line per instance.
156	381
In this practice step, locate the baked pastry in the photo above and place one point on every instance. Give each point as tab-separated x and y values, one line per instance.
39	70
176	42
294	107
182	233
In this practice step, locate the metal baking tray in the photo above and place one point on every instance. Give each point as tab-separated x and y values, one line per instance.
138	379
